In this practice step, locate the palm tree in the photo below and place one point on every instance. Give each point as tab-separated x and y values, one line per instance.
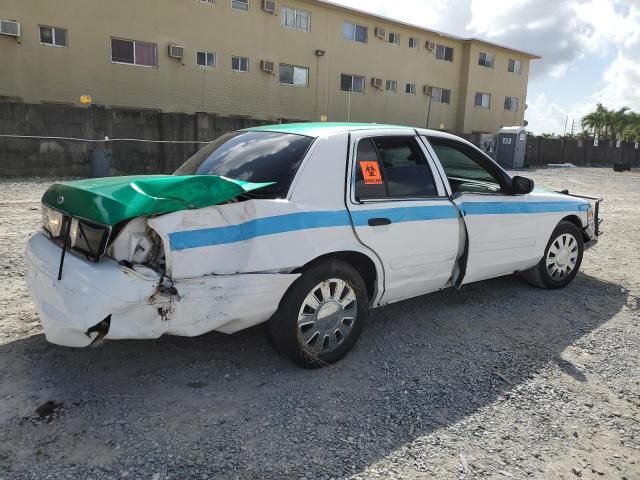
596	121
631	133
583	135
631	130
618	120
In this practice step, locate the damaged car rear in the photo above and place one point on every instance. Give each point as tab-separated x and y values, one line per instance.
103	267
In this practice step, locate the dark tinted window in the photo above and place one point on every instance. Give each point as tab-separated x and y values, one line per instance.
403	169
121	51
254	157
369	177
465	173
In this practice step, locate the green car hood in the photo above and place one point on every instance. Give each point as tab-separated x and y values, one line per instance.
111	200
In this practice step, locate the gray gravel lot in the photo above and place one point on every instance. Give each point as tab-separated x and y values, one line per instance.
498	380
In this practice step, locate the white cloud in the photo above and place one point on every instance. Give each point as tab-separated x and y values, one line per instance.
559	70
545	117
622	79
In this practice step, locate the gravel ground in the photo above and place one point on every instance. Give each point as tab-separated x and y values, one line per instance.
498	380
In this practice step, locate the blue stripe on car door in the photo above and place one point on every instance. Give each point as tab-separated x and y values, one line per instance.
505	208
324	219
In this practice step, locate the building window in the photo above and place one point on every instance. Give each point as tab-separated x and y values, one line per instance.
441	95
391	86
355	33
352	83
444	53
294	75
414	42
206	59
486	59
410	89
53	36
240	64
294	18
511	103
134	52
240	4
394	38
515	66
483	100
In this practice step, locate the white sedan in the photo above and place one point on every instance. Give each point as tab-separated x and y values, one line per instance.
303	226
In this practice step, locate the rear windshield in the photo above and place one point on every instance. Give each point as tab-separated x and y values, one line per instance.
253	157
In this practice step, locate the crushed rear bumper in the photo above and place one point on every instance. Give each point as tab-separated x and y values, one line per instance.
89	293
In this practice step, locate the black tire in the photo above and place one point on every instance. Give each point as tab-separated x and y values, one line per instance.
539	275
283	328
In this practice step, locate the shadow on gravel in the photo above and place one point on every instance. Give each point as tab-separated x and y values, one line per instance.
228	405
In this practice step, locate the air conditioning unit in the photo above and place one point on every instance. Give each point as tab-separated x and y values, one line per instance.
431	45
267	66
176	51
376	82
9	27
269	6
381	32
428	90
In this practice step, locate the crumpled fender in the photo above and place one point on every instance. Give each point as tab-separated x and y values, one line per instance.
255	236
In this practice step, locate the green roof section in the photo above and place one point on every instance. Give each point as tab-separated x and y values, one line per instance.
320	129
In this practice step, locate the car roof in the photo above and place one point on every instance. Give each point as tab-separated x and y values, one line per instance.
325	129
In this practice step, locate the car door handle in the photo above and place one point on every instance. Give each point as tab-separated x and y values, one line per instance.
377	222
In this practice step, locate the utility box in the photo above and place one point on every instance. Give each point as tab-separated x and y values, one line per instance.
511	147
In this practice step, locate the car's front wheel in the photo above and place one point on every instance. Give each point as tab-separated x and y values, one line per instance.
562	258
321	316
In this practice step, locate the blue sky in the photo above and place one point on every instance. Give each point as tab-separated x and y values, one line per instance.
590	48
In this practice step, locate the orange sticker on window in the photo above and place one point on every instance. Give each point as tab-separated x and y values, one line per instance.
371	172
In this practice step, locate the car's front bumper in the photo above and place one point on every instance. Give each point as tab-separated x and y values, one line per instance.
136	308
591	237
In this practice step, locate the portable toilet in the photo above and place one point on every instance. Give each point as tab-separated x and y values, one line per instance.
511	147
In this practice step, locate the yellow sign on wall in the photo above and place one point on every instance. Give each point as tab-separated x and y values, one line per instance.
85	99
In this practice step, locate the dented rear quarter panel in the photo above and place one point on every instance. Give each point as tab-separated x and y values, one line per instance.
274	236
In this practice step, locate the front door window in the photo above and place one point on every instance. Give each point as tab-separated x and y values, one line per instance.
464	172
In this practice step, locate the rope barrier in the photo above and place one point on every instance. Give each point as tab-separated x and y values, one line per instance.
106	140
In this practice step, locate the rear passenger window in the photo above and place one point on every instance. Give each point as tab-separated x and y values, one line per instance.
392	167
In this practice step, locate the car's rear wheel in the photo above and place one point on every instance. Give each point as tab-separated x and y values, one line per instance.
321	316
562	258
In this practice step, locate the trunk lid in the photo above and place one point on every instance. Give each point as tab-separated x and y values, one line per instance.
110	200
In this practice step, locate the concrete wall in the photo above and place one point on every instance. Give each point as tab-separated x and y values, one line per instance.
22	156
70	158
37	73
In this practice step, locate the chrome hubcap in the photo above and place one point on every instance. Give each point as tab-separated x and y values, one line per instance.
327	315
562	256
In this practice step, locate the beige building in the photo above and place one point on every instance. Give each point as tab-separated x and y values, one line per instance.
293	59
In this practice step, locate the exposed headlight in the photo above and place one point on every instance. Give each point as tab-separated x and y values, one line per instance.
88	238
52	221
590	214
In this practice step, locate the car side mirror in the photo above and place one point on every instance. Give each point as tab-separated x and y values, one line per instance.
521	185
